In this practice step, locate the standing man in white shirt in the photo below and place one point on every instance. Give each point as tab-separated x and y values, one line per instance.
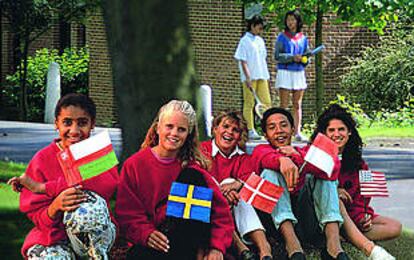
251	54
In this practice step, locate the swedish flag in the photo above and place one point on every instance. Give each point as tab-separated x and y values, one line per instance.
189	202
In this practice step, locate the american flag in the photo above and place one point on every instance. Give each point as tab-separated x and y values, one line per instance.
373	184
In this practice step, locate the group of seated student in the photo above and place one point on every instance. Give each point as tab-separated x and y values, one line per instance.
76	221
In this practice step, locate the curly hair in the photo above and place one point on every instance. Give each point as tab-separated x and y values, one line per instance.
236	117
352	153
189	152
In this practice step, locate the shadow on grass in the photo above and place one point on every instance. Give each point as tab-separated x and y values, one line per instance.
14	227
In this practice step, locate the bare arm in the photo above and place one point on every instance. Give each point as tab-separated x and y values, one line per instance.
246	72
25	181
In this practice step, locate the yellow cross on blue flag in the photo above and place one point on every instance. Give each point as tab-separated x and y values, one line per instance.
189	202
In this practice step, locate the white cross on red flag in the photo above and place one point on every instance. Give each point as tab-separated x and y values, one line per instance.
373	184
260	193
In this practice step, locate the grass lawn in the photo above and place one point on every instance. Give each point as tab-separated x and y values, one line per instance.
400	248
14	225
10	169
9	200
386	132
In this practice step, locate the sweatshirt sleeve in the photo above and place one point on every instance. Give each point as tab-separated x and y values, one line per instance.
265	157
280	55
244	167
360	204
36	205
130	210
54	187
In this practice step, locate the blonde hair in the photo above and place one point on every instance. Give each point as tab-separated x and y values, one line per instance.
233	116
190	150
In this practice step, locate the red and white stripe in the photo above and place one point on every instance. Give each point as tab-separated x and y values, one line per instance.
322	153
373	184
256	192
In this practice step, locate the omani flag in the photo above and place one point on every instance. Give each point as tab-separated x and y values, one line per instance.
87	158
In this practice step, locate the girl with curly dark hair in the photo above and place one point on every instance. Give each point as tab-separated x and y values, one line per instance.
361	224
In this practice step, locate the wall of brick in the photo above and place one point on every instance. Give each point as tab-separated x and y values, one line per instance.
100	74
6	49
216	27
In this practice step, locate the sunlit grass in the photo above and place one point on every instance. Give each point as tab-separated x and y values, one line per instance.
10	169
367	133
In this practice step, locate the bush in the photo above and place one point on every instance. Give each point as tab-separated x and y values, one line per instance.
402	117
383	75
74	64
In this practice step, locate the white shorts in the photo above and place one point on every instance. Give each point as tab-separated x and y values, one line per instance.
291	79
245	217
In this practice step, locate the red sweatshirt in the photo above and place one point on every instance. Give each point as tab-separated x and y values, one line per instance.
265	155
239	166
350	182
44	167
143	192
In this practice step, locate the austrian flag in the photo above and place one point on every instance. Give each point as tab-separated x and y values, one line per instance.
322	153
373	184
87	158
260	193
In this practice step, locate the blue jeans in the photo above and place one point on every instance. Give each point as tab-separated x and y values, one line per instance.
325	198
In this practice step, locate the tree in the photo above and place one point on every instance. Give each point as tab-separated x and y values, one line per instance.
29	19
374	14
152	61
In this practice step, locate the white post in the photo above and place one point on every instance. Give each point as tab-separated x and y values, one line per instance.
207	104
52	92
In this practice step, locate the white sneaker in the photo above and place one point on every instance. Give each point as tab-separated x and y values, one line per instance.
379	253
253	135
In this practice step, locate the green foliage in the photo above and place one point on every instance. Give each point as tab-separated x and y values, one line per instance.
402	117
354	108
374	14
28	20
381	77
73	64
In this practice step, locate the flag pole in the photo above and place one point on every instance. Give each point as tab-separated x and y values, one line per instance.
365	207
301	167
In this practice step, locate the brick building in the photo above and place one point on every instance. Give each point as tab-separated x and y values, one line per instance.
216	27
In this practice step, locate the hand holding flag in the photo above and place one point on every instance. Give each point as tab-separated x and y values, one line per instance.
260	193
87	158
322	154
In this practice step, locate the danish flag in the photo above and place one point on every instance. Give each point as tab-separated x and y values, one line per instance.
260	193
